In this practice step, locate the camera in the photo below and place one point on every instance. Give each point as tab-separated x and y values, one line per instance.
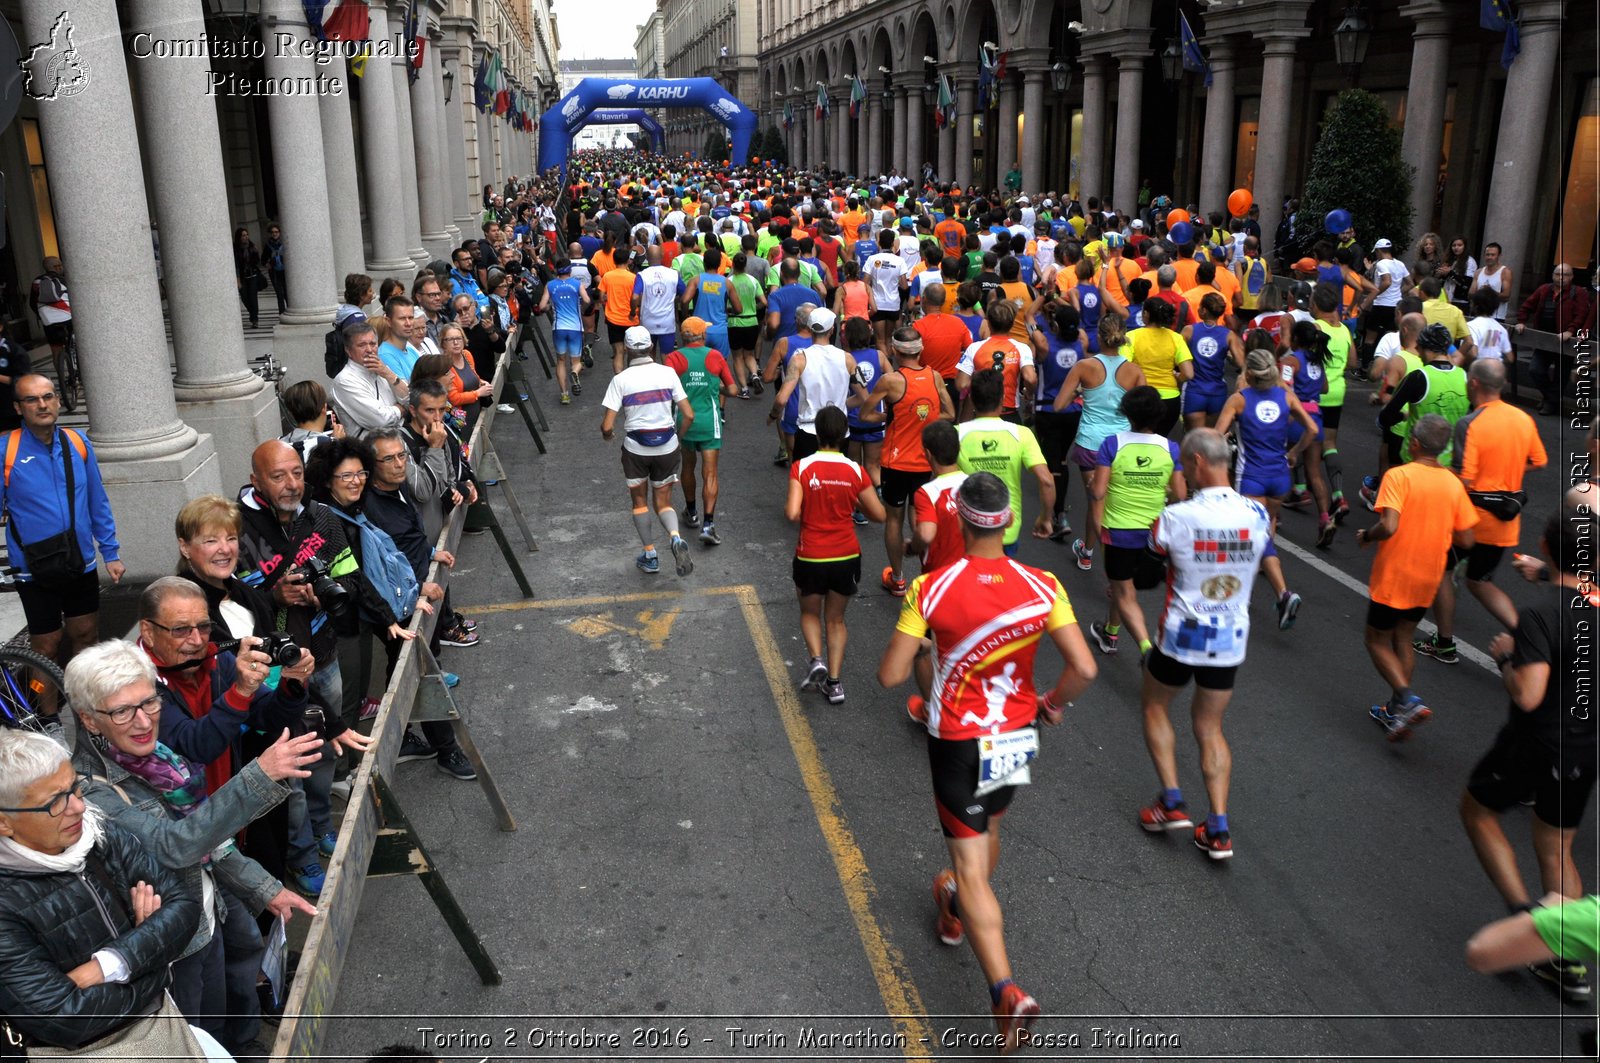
334	598
279	647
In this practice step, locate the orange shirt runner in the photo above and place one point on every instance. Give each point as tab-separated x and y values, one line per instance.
1432	505
1495	446
617	288
902	440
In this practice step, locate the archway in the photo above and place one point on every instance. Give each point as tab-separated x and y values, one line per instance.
630	116
880	156
572	111
923	141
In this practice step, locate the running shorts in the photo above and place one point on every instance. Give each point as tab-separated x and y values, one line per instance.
568	342
1259	483
717	340
1121	561
1296	429
866	434
839	576
954	766
805	445
1482	559
1203	399
900	484
656	469
1517	767
1382	617
744	337
1171	673
616	332
1379	319
886	315
1331	415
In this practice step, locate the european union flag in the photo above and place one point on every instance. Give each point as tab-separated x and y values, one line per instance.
1497	15
1193	58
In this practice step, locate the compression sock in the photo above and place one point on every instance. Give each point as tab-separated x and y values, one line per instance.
1335	472
1216	825
711	518
1399	698
1113	630
998	988
1172	798
643	525
669	521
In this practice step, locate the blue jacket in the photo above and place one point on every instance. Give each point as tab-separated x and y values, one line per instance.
466	284
37	499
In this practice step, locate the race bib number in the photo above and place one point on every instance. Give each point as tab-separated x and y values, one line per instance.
1003	759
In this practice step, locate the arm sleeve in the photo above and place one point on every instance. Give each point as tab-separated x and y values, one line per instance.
1412	388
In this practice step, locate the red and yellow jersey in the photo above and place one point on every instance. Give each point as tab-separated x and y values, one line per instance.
935	503
985	617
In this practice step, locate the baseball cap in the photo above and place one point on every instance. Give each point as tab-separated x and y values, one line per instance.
1113	240
1022	199
1382	245
637	338
821	320
907	223
1306	265
1137	224
694	326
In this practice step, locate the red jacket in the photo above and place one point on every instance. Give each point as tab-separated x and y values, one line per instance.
1573	309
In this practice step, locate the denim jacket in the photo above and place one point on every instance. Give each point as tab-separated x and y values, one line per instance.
181	844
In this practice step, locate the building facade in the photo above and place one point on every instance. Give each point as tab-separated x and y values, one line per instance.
160	127
712	39
1093	100
650	46
599	136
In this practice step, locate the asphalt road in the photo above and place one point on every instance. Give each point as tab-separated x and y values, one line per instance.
703	849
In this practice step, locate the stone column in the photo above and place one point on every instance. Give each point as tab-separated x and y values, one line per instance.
901	133
872	160
344	192
151	462
1514	190
425	135
1092	150
814	147
1216	158
216	390
966	107
1006	142
441	45
842	125
404	160
380	144
946	161
1033	122
863	126
1130	103
1423	136
1272	139
485	160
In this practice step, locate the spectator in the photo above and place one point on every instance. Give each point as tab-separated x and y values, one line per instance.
1428	260
14	363
52	541
272	252
464	279
207	530
484	340
247	273
1436	310
427	294
366	392
306	403
1496	277
1562	308
358	295
131	918
399	351
160	798
49	299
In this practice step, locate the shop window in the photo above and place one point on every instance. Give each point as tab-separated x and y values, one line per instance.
1575	244
1244	149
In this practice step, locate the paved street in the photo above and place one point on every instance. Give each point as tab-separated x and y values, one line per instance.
701	847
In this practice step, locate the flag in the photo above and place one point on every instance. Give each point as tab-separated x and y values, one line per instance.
1193	58
483	91
502	86
858	96
358	63
945	110
337	20
988	87
417	40
788	114
1497	15
822	102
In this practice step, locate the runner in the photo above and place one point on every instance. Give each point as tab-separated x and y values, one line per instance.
1003	353
991	444
1164	357
980	718
1056	430
1213	542
714	299
744	325
1213	345
1401	363
621	308
1100	381
1422	508
1325	312
567	295
645	394
886	272
820	374
1136	474
1302	370
706	380
865	446
825	487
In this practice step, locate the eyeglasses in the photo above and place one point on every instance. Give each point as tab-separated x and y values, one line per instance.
37	400
58	802
394	459
124	713
183	631
351	477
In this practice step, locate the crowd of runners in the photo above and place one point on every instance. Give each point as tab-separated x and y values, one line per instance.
935	358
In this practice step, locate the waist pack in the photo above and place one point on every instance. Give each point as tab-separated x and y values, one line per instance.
385	568
653	437
1503	505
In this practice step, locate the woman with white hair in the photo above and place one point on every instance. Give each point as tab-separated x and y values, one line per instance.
159	796
89	920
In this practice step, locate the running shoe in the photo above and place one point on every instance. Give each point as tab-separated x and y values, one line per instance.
781	458
649	565
369	708
917	709
860	519
744	393
1218	846
755	384
327	843
1298	499
588	356
465	623
1369	498
1107	644
1412	716
816	674
1431	648
1288	609
309	879
1326	533
709	536
458	636
505	407
1570	977
1062	529
456	765
1013	1016
1156	816
680	555
691	518
1084	555
893	584
1341	510
948	924
566	399
833	690
577	385
414	747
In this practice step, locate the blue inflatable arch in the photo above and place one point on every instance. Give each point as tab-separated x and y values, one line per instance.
574	110
629	116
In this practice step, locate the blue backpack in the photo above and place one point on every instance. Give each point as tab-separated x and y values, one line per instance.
385	568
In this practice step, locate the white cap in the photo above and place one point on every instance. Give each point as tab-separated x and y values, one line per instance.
638	338
1137	224
821	320
1022	199
1382	245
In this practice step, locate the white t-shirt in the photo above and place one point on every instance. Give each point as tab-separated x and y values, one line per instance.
1491	337
1491	280
646	395
884	271
659	289
1396	271
910	248
677	219
1388	346
1214	542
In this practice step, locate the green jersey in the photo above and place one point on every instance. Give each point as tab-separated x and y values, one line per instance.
1572	930
689	266
1412	363
1446	396
974	264
749	290
766	241
1141	464
1334	364
989	444
702	383
809	277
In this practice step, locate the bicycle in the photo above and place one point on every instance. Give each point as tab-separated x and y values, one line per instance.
69	379
26	678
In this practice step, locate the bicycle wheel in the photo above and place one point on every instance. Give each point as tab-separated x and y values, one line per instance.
69	364
28	682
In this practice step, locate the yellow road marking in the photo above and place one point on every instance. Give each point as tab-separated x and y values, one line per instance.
899	992
653	630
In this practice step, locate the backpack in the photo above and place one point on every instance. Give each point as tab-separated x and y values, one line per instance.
14	440
385	568
333	358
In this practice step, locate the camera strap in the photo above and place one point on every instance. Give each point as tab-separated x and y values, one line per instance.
288	555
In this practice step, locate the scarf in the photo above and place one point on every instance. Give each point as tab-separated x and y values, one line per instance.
14	857
182	785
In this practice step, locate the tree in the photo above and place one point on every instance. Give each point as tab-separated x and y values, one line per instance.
715	149
773	148
1357	166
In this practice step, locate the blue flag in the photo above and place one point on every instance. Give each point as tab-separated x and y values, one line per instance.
480	85
1193	58
1497	15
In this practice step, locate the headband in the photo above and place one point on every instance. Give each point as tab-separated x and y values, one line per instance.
978	518
908	346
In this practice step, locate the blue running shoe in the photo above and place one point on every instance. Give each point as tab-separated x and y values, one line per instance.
649	565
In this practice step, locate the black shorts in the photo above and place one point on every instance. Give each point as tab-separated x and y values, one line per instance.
1056	432
1517	767
615	332
1379	319
45	606
1330	415
886	315
900	484
56	335
827	577
658	470
1121	561
1382	617
805	445
1392	445
1170	411
1482	560
954	766
1171	673
744	337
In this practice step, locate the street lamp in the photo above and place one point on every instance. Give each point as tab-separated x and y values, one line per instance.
930	92
239	17
449	83
1351	39
1060	78
1172	63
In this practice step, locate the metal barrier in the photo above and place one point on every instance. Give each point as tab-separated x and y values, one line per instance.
376	838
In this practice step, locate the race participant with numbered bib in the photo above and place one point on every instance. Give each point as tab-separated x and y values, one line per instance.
1213	345
1213	543
707	380
1303	372
865	447
570	300
985	615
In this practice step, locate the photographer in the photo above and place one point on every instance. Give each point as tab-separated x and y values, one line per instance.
440	479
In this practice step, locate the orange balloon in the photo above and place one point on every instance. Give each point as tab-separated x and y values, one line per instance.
1175	215
1239	201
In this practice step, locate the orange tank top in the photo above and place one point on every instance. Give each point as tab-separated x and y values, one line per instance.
1010	366
855	299
902	440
